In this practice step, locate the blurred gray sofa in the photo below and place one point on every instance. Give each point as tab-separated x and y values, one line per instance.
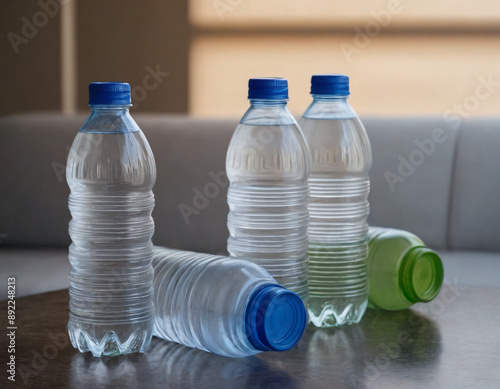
439	179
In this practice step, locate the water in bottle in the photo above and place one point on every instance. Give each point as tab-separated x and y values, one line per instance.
338	207
223	305
268	164
111	172
402	271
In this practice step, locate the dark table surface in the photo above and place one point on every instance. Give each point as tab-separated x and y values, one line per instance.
452	342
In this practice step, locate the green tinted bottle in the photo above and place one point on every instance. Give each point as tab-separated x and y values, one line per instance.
402	271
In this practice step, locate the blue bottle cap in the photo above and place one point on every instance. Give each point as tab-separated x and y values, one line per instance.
330	84
268	88
275	318
109	93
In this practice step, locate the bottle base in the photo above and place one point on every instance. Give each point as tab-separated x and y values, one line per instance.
334	312
102	341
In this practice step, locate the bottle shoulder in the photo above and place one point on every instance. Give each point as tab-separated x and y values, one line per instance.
337	145
389	246
117	159
237	271
277	115
393	237
330	110
274	152
109	122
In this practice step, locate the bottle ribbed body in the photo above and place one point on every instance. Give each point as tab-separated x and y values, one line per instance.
338	207
268	164
111	172
201	300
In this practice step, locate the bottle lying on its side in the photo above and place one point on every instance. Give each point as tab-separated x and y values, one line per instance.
223	305
402	271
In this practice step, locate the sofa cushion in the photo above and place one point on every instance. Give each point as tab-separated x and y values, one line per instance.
190	190
475	208
410	179
411	175
34	195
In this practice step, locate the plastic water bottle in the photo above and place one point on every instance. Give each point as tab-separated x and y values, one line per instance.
338	207
268	164
402	271
111	172
223	305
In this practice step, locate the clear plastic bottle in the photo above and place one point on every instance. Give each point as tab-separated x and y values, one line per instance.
223	305
402	271
268	164
338	207
111	172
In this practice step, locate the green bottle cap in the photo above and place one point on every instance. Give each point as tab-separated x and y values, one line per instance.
421	274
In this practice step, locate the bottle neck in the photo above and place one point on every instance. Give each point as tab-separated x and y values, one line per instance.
421	274
329	98
265	103
100	108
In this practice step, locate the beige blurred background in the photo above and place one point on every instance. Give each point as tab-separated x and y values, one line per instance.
403	57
